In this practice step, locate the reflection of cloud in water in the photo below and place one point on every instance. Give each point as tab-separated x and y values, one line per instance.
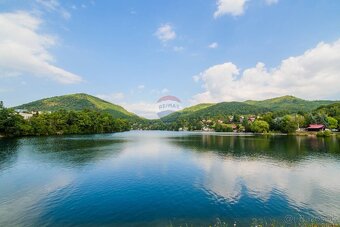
16	208
309	184
146	156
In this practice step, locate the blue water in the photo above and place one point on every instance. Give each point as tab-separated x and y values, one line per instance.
169	179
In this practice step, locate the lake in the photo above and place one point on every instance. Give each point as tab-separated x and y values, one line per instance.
152	178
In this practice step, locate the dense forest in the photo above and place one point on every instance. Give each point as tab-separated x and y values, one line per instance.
59	122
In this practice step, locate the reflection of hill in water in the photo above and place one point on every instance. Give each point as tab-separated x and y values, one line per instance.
76	150
8	149
289	148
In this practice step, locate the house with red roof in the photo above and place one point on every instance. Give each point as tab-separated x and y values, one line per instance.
316	127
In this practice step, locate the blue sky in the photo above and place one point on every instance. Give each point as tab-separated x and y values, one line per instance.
132	52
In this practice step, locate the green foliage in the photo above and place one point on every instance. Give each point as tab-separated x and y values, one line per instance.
76	102
60	122
332	110
11	123
332	122
260	126
223	128
246	125
286	124
325	133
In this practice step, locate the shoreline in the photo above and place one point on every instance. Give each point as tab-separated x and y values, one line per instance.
297	134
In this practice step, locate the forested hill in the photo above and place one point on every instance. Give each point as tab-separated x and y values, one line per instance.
76	102
290	104
219	110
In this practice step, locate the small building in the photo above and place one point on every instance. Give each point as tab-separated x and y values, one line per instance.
26	116
316	127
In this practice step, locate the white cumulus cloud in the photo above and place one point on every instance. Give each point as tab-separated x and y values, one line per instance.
25	50
235	7
232	7
313	75
165	33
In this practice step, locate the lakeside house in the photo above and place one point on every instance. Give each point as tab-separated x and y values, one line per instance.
251	119
316	127
28	114
24	113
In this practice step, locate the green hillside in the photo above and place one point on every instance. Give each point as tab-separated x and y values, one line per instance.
77	102
229	108
218	110
196	107
332	110
187	111
290	104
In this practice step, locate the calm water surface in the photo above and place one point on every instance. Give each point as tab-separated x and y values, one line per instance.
168	178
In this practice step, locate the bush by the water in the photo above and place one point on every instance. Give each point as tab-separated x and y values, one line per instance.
325	133
223	128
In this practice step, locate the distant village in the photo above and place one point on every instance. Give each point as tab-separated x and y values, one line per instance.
209	125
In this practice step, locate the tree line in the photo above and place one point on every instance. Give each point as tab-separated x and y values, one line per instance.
59	123
92	121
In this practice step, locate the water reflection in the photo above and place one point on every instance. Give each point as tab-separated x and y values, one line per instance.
163	178
33	169
286	148
236	166
73	151
8	152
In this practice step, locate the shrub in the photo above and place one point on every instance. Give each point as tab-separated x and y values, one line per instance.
260	126
326	133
